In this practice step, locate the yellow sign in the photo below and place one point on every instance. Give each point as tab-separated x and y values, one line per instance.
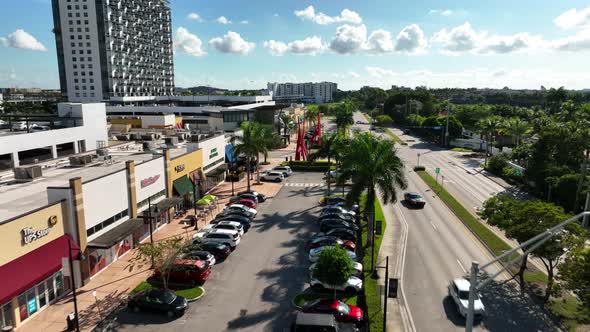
52	220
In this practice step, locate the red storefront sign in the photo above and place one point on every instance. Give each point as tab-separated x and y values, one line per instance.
149	181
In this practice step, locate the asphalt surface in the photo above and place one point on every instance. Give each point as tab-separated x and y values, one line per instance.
440	248
252	290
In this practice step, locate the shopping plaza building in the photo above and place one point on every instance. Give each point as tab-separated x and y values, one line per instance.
92	214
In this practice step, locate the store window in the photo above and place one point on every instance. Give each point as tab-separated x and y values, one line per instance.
6	315
40	296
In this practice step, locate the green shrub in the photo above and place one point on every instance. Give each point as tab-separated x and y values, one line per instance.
419	168
497	163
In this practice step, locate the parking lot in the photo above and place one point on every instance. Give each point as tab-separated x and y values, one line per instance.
253	288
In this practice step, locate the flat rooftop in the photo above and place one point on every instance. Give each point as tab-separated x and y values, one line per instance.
18	198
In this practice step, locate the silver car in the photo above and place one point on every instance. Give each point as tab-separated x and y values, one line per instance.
274	176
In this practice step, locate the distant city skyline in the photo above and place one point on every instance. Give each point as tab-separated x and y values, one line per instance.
234	45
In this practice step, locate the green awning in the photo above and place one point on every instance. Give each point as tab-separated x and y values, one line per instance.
183	186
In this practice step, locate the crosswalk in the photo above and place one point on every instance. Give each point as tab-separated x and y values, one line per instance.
295	184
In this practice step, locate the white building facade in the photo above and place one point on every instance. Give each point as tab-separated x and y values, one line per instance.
113	49
309	92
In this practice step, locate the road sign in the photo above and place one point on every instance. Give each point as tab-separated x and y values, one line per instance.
517	172
437	170
437	128
378	226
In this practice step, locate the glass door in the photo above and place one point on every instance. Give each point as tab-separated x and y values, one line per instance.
41	294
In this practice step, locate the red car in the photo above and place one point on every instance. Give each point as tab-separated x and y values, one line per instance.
188	271
248	202
342	312
349	245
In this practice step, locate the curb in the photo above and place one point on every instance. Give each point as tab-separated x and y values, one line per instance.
198	297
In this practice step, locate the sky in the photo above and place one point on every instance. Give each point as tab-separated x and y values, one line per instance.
243	44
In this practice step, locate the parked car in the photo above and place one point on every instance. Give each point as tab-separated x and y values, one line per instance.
20	125
286	170
329	224
229	237
272	176
226	224
323	241
37	128
358	269
237	198
336	209
234	212
341	311
314	254
219	250
459	292
342	216
341	233
414	199
335	200
200	255
245	221
187	271
162	300
308	322
261	197
239	207
352	285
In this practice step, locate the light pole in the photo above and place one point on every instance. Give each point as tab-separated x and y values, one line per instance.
150	225
527	246
418	163
75	298
447	127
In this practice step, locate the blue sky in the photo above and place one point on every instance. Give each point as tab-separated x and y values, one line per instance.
520	44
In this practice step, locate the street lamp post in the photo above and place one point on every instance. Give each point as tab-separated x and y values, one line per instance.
418	163
75	298
527	246
447	127
150	225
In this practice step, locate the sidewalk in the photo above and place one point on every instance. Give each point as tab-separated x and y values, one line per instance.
113	284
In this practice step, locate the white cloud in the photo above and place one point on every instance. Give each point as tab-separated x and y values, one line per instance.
411	40
276	15
310	45
349	39
194	17
380	42
245	22
573	19
223	20
346	16
379	72
443	12
354	74
576	43
22	39
232	42
186	42
464	38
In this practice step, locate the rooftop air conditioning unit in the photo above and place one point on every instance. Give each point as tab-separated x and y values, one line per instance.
27	173
171	140
80	160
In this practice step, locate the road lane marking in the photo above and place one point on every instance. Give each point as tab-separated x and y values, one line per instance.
433	225
461	266
406	307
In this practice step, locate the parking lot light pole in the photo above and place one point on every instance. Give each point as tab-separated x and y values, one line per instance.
150	225
530	245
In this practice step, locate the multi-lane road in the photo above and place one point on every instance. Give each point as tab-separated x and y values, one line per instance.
439	248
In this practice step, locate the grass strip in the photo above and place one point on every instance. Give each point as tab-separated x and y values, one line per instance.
374	311
393	136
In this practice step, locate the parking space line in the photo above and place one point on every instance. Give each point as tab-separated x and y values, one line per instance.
461	266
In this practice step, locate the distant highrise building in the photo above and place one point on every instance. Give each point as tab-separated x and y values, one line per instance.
118	50
307	92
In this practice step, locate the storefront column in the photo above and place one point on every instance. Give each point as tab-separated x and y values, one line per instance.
168	173
76	147
15	312
15	160
79	215
130	165
54	151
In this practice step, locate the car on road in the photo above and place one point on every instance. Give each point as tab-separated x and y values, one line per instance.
358	269
308	322
286	170
272	176
372	127
331	174
351	286
245	221
341	233
226	224
459	292
187	271
314	254
200	255
225	236
261	197
407	131
414	199
162	300
239	207
219	250
336	209
329	224
342	312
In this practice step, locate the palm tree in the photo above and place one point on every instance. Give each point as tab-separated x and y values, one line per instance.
374	165
343	116
328	149
311	115
250	145
489	127
517	128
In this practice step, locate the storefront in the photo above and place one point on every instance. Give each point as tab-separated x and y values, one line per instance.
32	248
181	172
214	166
150	191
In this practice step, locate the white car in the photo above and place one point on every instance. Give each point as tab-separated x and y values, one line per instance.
352	285
459	292
274	176
314	254
244	208
336	209
286	170
225	236
21	125
331	174
358	269
225	224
